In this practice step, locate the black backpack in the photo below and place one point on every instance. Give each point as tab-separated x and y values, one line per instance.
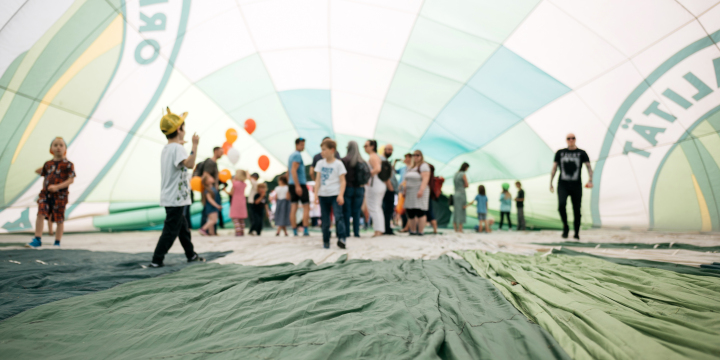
385	170
362	173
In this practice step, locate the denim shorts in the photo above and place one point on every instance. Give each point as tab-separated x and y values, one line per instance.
482	216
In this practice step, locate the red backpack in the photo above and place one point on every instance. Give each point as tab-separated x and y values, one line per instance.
435	183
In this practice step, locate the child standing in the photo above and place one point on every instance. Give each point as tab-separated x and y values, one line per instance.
259	207
282	211
330	188
59	173
251	194
211	205
505	206
238	204
519	205
175	188
482	202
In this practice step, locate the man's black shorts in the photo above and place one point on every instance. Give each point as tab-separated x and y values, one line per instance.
294	198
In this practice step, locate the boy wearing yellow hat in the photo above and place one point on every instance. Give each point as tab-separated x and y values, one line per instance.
59	173
175	188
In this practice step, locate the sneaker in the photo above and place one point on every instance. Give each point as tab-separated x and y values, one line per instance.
35	243
326	245
306	233
576	237
57	243
565	232
294	231
154	265
196	257
341	243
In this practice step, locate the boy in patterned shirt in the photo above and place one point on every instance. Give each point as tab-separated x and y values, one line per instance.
175	188
59	173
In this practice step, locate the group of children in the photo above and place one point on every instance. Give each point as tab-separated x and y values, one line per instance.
481	200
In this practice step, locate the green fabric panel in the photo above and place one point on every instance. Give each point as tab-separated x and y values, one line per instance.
419	91
118	207
75	100
597	309
139	218
69	273
634	246
9	72
675	203
683	269
357	309
445	51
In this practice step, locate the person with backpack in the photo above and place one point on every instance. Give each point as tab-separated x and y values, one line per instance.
358	174
417	193
389	198
375	190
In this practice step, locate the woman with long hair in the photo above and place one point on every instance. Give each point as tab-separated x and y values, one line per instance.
375	189
459	198
354	191
417	193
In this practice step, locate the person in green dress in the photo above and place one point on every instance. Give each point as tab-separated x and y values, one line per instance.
459	199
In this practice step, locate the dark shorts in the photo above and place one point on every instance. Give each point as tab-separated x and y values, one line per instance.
52	207
414	213
294	198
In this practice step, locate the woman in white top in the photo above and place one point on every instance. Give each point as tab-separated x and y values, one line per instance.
417	193
375	189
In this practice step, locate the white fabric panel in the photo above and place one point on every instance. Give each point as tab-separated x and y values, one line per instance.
697	7
411	6
298	68
369	29
287	24
711	19
621	203
362	75
568	114
652	57
630	26
216	43
207	10
354	115
578	54
605	94
21	32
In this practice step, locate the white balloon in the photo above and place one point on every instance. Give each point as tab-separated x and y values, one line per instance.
233	155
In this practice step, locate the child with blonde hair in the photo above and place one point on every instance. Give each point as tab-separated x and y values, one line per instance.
282	210
59	173
212	205
238	205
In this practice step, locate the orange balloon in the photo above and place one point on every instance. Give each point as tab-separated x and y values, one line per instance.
250	126
225	175
231	135
264	162
226	146
196	183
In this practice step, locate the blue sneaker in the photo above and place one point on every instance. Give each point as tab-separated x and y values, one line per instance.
326	245
35	243
57	243
306	233
294	231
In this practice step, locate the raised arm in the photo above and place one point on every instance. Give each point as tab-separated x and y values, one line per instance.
190	161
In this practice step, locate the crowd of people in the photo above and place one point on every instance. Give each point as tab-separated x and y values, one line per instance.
345	188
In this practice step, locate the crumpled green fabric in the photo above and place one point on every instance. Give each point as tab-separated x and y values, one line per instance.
597	309
357	309
659	246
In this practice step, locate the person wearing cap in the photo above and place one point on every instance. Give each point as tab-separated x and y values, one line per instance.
175	188
59	173
298	187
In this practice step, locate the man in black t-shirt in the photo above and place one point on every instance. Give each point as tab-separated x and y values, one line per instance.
570	161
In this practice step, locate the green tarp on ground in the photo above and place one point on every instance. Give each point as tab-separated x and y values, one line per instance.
601	310
660	246
357	309
35	277
685	269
